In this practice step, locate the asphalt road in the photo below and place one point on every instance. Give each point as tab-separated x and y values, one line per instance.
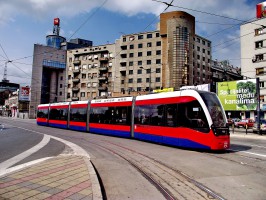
131	169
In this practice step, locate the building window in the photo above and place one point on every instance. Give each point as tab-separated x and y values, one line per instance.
124	39
124	47
69	77
139	71
61	85
259	44
61	78
148	53
139	54
203	42
139	80
258	57
82	94
130	80
198	48
158	79
198	57
130	72
149	35
140	45
83	76
139	62
259	31
262	84
157	34
203	50
259	71
122	82
131	46
130	63
147	80
158	43
198	40
140	37
158	61
158	70
158	52
138	89
148	62
131	55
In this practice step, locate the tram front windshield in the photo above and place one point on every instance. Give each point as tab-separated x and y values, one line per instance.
215	109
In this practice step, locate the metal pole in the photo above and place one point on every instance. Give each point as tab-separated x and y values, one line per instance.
258	102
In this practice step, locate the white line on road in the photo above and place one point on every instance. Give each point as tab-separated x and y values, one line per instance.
8	163
247	152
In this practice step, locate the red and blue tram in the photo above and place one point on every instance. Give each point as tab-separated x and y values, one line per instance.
187	118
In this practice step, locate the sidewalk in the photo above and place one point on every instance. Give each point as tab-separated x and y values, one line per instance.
242	133
61	177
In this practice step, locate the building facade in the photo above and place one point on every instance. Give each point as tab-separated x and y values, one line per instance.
253	56
90	72
170	57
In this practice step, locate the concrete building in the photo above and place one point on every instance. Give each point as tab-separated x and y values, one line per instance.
253	56
90	72
170	57
48	83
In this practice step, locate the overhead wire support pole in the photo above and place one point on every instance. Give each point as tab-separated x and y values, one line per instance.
258	103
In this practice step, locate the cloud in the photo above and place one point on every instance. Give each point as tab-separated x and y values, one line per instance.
211	28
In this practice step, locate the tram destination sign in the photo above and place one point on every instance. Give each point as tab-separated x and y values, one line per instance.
238	95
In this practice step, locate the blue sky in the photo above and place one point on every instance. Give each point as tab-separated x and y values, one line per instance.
24	23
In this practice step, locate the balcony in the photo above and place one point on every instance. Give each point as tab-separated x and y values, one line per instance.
75	80
75	89
75	98
102	88
104	59
103	68
76	71
76	62
103	78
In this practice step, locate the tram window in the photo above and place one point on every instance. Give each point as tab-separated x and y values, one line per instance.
58	114
42	113
141	115
97	115
156	115
111	115
78	114
171	115
123	115
191	115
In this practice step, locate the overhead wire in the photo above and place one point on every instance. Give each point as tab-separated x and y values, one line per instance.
53	50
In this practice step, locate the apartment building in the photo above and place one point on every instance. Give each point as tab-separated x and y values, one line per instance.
90	72
137	63
253	54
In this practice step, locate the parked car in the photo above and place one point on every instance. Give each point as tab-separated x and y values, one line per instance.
232	121
245	122
262	126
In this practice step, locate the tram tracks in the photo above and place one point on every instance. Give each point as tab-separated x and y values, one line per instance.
172	183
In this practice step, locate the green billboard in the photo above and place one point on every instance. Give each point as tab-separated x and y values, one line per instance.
238	95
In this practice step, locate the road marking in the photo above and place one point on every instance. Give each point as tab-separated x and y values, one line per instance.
8	163
247	152
12	169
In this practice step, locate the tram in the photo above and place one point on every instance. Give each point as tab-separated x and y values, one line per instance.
186	118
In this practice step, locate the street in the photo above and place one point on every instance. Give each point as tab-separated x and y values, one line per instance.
132	169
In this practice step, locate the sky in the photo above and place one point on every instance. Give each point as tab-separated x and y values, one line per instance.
25	23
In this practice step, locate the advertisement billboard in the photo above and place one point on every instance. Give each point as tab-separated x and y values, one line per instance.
24	94
261	10
238	95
